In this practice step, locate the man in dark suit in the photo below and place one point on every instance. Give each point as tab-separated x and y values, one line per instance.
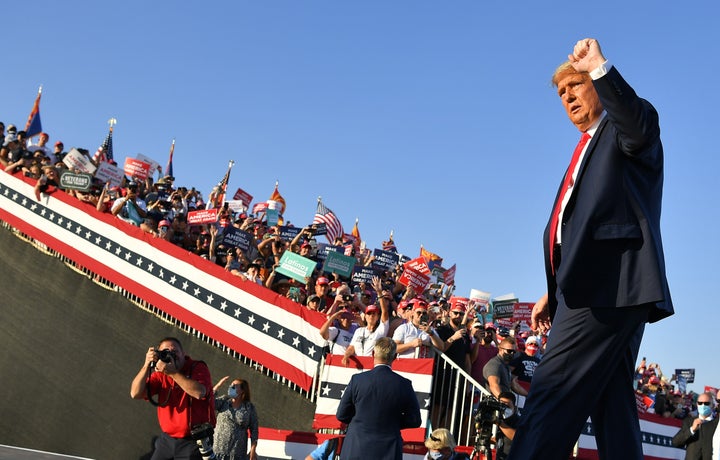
604	265
696	434
376	405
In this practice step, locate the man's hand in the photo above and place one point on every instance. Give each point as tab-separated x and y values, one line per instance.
586	55
696	425
540	317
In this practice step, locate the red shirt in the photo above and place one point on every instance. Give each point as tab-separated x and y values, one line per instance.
173	414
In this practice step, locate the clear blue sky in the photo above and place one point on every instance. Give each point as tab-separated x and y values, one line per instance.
432	119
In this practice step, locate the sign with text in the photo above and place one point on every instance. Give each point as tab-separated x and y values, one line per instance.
154	165
341	264
687	374
416	274
295	266
75	181
243	196
363	274
236	206
319	229
136	168
449	275
522	312
202	216
78	162
323	249
272	216
385	260
108	172
237	238
289	233
504	308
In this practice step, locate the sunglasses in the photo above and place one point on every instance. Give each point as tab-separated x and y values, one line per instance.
703	403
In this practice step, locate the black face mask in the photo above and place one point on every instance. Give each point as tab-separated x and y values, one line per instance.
508	355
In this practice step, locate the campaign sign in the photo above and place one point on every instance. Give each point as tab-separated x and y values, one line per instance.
289	233
243	196
154	165
416	274
504	308
319	228
323	249
237	238
363	274
136	168
75	181
295	266
385	260
522	313
339	263
76	161
687	374
273	216
108	172
202	216
449	275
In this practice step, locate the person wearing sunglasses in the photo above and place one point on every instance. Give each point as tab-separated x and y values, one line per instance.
696	433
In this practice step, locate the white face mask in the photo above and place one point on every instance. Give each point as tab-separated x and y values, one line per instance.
437	455
508	413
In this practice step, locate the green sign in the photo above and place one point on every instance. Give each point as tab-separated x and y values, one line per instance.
339	263
75	181
295	266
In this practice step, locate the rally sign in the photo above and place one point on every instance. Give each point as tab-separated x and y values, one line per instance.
323	249
136	168
504	308
295	266
288	233
339	263
108	172
385	260
522	313
202	216
416	274
273	217
75	181
154	165
243	196
237	238
363	274
687	374
76	161
449	275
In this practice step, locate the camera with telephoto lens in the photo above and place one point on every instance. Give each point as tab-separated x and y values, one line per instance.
166	356
490	412
203	435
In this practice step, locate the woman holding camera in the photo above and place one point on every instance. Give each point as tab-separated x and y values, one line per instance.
236	417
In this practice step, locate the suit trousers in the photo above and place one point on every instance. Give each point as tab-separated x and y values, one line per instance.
587	371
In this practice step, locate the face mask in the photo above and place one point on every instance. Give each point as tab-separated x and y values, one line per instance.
232	392
704	411
508	355
435	455
508	413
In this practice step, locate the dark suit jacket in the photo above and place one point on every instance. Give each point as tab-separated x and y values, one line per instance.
611	253
377	404
699	445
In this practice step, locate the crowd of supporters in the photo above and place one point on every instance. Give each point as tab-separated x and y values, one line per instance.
422	323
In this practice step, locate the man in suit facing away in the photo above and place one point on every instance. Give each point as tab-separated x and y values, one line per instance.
604	266
376	405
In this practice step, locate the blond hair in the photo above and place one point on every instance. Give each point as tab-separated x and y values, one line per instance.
440	439
562	70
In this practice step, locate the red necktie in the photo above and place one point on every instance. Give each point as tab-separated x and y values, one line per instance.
567	183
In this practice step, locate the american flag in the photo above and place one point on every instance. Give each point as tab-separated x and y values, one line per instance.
105	151
324	215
